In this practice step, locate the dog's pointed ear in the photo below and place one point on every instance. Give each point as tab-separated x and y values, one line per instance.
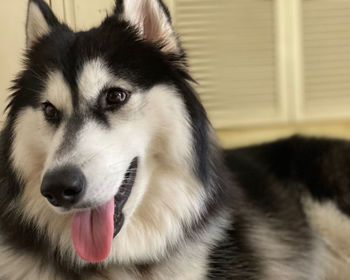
152	19
40	21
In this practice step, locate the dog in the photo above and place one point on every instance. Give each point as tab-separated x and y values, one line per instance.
110	168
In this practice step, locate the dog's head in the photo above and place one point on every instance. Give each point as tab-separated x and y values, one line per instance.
103	139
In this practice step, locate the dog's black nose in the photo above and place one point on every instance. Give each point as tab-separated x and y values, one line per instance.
64	186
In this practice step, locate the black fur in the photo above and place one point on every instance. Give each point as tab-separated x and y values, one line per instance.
66	51
266	180
273	178
119	8
244	264
318	167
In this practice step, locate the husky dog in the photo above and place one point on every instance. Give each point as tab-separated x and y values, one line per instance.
110	169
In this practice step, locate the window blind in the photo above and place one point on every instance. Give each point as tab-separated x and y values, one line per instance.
232	53
326	37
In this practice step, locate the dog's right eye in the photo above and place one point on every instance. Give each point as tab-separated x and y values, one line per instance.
113	98
50	112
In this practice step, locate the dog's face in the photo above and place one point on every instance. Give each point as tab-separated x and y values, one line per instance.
94	115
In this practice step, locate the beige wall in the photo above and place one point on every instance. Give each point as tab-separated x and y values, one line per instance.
12	32
12	22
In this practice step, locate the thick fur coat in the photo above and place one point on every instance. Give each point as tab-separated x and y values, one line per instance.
115	105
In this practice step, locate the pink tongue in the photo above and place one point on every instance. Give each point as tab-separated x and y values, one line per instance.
92	232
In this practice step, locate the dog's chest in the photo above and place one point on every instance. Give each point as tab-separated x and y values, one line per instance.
18	266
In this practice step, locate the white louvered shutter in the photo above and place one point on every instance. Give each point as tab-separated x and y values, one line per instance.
326	40
232	52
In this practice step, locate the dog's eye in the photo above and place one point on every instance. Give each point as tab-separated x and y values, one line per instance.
50	112
113	98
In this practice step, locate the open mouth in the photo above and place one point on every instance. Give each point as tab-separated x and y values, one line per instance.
93	230
123	195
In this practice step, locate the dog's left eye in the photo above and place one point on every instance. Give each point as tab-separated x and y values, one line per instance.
50	112
113	98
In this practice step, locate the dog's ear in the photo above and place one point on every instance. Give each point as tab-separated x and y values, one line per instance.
40	21
152	19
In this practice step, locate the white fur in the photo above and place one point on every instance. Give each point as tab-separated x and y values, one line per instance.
37	26
280	259
57	92
33	135
190	264
151	21
95	76
153	126
333	228
19	266
28	155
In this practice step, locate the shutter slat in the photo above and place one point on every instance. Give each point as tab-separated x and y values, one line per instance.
326	35
236	67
